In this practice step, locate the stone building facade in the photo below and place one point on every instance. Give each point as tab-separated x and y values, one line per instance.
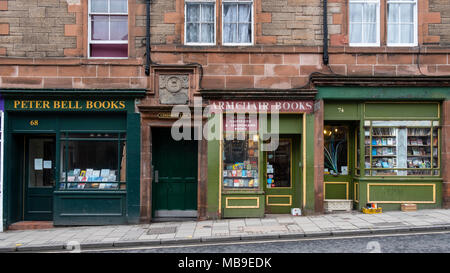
45	46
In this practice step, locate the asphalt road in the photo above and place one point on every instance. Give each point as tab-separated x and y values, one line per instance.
425	242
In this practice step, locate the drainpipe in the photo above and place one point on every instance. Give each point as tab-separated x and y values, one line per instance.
325	33
147	43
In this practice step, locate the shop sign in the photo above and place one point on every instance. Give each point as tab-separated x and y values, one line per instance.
254	106
241	123
168	115
67	105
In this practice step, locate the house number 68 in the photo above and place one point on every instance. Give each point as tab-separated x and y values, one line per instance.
34	122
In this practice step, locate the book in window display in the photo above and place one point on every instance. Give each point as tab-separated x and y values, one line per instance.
240	164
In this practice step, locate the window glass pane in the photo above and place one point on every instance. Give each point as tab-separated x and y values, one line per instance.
393	12
99	6
407	34
279	165
229	33
193	13
240	162
208	33
335	149
370	33
370	13
109	50
100	28
393	33
208	13
356	13
118	6
41	154
230	13
192	33
401	151
119	28
245	13
245	33
407	13
355	33
91	164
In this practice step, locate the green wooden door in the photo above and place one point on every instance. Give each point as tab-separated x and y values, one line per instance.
174	186
39	178
283	175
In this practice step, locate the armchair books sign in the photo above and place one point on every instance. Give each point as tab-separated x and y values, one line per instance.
255	106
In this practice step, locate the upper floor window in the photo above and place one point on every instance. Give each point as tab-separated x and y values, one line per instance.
200	22
237	22
200	26
401	22
364	22
108	29
399	17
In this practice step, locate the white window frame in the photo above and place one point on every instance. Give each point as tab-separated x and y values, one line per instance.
415	42
90	14
186	2
252	22
378	24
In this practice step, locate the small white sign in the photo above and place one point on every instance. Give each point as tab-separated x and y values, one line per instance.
38	164
47	164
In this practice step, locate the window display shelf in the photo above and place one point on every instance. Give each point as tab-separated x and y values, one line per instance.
401	150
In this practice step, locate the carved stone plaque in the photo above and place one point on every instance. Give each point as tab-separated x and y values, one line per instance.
173	89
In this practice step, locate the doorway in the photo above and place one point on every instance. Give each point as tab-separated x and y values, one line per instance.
175	172
283	176
39	173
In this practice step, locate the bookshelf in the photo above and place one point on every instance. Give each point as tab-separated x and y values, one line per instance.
401	151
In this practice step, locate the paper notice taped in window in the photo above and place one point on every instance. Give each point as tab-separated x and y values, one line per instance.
38	164
47	164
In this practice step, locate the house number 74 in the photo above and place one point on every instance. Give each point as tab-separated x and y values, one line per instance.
341	109
34	122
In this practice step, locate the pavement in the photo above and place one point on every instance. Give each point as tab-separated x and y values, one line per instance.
271	227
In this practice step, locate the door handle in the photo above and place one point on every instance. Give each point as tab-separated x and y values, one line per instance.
156	176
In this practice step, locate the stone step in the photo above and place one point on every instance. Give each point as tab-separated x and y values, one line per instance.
26	225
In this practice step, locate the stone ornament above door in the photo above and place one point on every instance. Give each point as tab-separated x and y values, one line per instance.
173	89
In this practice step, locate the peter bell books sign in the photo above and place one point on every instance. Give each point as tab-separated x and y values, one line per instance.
67	105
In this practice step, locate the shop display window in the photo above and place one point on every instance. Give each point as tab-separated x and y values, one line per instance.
93	161
240	152
401	148
336	150
240	162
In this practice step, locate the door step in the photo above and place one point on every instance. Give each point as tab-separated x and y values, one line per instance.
25	225
173	219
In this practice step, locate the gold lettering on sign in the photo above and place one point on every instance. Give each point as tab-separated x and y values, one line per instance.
68	105
34	122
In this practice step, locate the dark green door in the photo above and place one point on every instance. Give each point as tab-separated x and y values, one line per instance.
39	178
174	186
